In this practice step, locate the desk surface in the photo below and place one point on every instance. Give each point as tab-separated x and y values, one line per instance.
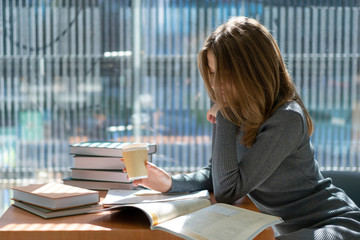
20	224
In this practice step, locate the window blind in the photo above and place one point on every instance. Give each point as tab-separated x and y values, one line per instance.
73	71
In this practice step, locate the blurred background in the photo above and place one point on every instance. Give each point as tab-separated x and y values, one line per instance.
122	70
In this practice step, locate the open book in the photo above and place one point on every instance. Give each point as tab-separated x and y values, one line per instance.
123	196
198	219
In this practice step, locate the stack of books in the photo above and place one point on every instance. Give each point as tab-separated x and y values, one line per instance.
98	165
55	199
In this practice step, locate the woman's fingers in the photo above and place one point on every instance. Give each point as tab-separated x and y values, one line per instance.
211	118
137	182
157	179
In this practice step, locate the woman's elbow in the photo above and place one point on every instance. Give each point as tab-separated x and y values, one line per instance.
226	196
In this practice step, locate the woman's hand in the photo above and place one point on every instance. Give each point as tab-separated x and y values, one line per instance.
157	180
211	113
210	117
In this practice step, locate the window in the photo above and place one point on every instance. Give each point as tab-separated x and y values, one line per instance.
74	71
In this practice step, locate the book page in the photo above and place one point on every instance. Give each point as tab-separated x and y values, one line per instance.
219	221
159	212
122	196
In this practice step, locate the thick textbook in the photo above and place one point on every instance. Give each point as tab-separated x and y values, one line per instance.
198	219
100	175
110	149
47	213
98	185
55	196
98	162
122	196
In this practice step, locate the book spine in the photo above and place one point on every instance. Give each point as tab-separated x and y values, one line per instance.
98	185
98	175
98	151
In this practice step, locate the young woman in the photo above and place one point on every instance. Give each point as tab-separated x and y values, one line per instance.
261	139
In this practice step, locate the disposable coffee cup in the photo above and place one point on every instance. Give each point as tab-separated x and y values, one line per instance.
135	158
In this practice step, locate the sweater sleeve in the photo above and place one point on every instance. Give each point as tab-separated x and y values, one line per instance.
277	138
194	181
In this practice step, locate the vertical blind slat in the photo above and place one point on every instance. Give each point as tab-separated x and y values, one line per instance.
59	85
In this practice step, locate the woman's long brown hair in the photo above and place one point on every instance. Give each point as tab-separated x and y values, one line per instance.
251	73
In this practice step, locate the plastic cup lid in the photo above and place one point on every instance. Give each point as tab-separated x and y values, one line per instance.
135	146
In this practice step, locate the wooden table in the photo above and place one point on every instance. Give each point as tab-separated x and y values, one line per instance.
16	224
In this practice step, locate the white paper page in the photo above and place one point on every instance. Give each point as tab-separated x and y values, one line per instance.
220	221
158	212
121	196
164	211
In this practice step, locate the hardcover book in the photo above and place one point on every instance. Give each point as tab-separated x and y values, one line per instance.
100	175
110	149
98	162
98	185
47	213
55	196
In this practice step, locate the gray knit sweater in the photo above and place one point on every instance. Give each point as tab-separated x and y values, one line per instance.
279	173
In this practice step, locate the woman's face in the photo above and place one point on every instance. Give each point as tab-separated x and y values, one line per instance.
211	65
212	68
